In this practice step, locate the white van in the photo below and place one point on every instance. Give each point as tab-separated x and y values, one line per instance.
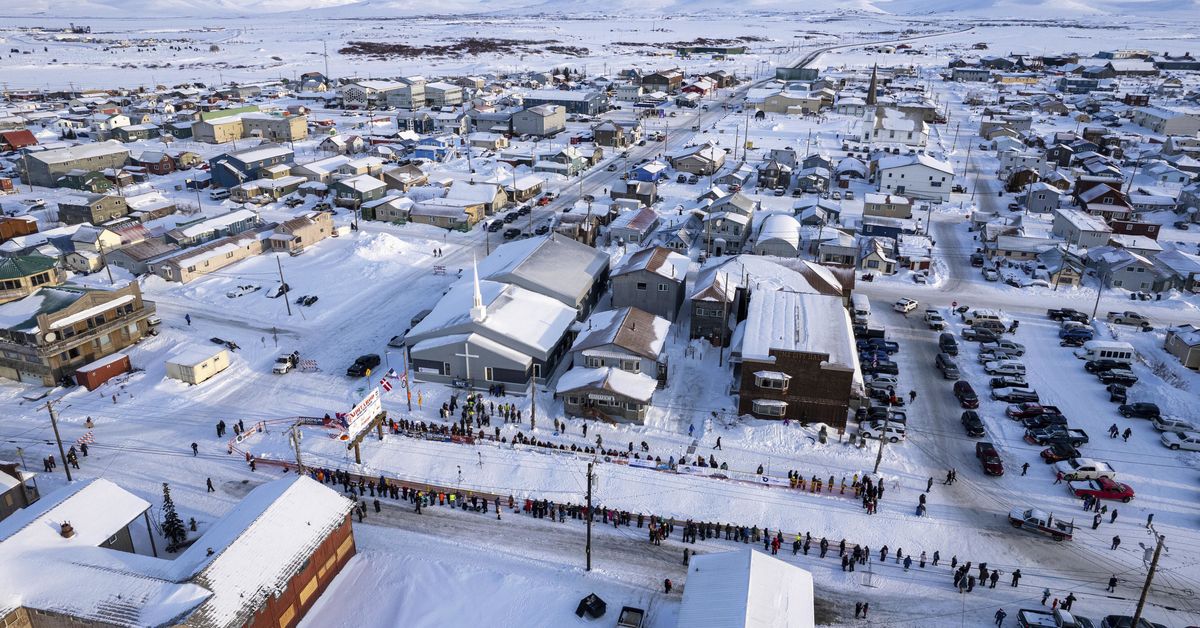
861	307
219	194
980	315
1107	350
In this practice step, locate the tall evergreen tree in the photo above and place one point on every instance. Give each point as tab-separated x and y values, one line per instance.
172	526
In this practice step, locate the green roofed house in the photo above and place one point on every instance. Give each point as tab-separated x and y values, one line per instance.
21	275
45	336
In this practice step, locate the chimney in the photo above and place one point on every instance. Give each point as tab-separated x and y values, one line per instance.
66	530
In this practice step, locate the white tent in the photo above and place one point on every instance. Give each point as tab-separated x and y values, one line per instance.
746	589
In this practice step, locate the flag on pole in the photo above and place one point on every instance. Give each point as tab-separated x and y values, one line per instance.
385	384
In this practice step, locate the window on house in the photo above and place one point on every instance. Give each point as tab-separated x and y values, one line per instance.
593	362
632	366
772	380
641	285
662	287
487	373
769	407
445	368
872	264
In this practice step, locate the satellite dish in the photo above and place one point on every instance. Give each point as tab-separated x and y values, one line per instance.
50	336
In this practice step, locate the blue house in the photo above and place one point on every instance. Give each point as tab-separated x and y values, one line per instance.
438	148
248	164
651	172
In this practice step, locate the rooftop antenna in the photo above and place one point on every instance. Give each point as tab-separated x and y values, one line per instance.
325	53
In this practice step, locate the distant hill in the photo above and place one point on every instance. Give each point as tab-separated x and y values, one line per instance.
1035	9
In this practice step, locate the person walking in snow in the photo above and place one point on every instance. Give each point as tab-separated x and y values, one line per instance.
1000	615
208	481
1116	542
1045	595
667	586
995	577
188	318
1112	584
907	562
718	445
1016	577
929	485
1113	519
195	449
912	396
1126	434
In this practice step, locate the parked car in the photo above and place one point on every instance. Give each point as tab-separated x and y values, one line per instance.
977	260
1014	395
1140	410
947	344
905	305
978	334
511	233
1067	314
1015	348
285	363
1043	523
1186	440
1059	451
1125	621
965	394
1128	318
893	432
995	355
1056	434
887	346
1117	393
883	381
1102	488
989	458
1043	421
1004	367
991	274
1172	424
1008	381
1021	411
1118	376
1104	364
972	424
1075	340
1084	469
398	341
946	365
278	291
362	363
934	320
883	366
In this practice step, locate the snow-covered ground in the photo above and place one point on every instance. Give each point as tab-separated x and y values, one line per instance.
519	572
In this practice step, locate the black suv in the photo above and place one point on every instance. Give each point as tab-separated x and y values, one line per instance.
1140	410
362	363
1118	376
1096	366
1117	393
972	423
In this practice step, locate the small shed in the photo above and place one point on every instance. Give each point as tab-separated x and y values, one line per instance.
198	364
93	374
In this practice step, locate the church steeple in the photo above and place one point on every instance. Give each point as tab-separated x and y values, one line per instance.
874	86
478	311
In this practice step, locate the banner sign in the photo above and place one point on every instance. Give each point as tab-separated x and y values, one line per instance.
359	418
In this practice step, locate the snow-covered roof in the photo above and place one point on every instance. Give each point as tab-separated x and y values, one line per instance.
780	227
793	321
212	224
636	386
82	151
899	161
75	576
628	328
517	318
746	589
555	266
658	260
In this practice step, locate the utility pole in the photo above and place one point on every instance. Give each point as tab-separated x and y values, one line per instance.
887	423
296	445
287	299
1137	614
61	452
100	245
588	548
1099	290
724	317
325	53
532	402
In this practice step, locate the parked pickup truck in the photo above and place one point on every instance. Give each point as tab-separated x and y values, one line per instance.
1058	618
1128	318
1051	435
1039	521
1084	469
